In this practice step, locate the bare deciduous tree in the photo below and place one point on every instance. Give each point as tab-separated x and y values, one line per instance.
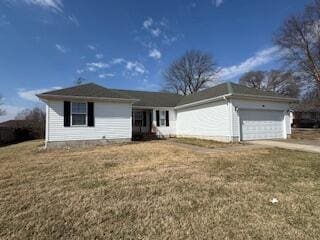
284	83
190	73
253	79
312	97
299	38
37	118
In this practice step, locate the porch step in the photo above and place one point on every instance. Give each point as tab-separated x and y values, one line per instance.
145	137
150	137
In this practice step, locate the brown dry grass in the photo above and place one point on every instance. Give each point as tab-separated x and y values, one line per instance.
153	190
308	134
205	143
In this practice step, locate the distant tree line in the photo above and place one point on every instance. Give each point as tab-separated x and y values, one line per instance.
283	82
37	119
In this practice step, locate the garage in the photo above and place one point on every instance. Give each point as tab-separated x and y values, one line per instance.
261	124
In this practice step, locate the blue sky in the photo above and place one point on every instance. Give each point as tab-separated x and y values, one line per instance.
47	44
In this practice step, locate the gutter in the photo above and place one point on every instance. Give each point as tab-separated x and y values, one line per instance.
283	99
61	97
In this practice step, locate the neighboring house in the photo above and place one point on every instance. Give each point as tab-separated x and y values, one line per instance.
305	115
228	112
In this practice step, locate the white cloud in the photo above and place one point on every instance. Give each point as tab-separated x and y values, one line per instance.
106	75
3	20
99	56
74	20
217	3
260	58
147	23
91	47
30	95
135	68
117	61
54	5
168	40
11	112
94	66
61	48
155	53
155	32
131	68
152	27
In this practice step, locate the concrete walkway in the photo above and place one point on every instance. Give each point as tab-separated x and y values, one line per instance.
199	149
286	145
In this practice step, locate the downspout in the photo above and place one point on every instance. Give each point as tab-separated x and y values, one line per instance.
229	105
47	126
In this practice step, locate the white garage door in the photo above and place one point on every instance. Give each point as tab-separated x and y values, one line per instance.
261	124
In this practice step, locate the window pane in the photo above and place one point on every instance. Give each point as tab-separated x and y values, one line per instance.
79	108
78	119
162	118
138	123
138	115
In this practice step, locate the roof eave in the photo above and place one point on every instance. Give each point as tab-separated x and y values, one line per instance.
242	96
67	97
208	100
263	97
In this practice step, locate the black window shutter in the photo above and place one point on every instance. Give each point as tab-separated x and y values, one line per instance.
66	113
158	118
144	121
90	114
167	118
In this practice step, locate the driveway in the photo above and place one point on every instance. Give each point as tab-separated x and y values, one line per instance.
292	144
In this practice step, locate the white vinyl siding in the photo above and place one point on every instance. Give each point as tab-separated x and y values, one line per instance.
165	130
112	121
208	120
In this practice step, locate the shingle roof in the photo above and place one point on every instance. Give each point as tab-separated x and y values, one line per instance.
158	99
223	89
153	99
87	90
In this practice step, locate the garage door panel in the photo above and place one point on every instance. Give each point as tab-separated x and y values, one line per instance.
258	124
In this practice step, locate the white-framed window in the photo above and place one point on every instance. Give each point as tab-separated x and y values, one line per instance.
78	114
162	118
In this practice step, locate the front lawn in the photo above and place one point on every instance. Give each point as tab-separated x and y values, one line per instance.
307	134
153	190
205	143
